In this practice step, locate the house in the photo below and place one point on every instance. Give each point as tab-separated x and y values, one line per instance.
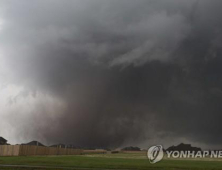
131	148
34	143
184	147
3	141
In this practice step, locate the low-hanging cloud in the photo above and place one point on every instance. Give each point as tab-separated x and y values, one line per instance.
105	73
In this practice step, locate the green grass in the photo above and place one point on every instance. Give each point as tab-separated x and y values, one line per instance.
108	161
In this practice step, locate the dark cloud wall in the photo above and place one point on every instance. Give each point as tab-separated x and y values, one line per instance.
125	71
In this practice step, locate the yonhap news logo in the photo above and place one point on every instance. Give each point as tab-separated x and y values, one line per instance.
155	154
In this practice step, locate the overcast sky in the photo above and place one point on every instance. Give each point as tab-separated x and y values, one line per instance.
109	73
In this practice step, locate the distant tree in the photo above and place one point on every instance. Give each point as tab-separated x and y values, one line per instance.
3	141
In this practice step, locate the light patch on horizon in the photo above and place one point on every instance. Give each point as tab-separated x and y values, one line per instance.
18	107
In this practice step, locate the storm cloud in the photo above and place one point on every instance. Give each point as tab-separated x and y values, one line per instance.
106	73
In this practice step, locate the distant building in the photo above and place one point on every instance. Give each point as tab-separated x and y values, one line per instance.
3	141
34	143
131	148
184	147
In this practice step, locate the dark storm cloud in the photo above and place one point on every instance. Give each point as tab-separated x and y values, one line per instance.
126	71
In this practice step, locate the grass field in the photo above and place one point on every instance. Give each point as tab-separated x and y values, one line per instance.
105	161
